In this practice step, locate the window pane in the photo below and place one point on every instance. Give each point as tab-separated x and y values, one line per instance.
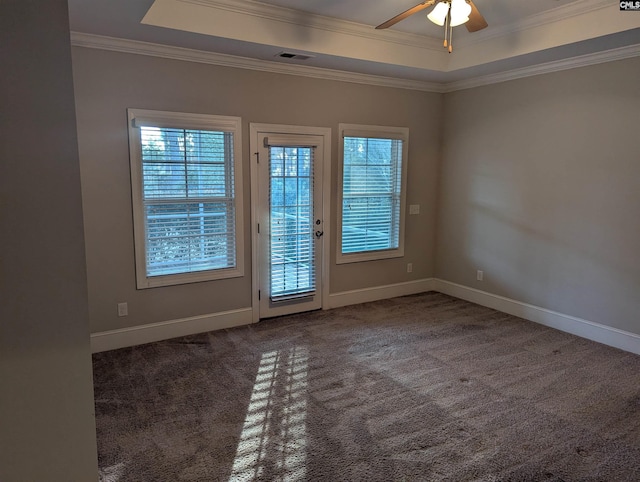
189	237
163	180
188	200
206	180
372	178
291	217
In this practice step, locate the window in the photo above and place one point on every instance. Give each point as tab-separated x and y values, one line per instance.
187	197
372	194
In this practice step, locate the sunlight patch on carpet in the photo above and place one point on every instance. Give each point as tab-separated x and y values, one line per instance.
273	438
112	473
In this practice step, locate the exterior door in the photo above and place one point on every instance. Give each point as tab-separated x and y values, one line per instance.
290	223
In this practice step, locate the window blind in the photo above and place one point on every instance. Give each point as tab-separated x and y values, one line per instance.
371	194
291	237
188	200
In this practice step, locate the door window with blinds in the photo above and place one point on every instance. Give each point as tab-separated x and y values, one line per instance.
372	194
291	235
187	197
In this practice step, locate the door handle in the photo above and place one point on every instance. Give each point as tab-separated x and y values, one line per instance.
319	233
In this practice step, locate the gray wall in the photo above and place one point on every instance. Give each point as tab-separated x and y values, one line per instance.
540	188
107	83
47	429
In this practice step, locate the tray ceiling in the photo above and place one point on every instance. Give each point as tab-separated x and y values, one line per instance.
339	36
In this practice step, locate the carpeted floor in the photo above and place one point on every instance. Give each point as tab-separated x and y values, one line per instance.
424	387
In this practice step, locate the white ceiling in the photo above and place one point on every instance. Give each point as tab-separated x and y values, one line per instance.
340	35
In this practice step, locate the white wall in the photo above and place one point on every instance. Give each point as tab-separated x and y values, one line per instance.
107	83
537	181
47	428
540	189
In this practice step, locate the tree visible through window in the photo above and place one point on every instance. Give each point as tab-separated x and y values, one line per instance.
187	201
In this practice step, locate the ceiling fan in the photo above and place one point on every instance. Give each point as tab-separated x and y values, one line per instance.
449	13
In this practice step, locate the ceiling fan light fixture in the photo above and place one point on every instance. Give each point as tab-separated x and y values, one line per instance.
460	11
447	13
439	13
459	21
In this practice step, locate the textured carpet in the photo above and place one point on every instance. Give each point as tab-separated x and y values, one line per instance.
424	387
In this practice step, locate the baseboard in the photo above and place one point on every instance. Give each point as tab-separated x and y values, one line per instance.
138	335
354	297
577	326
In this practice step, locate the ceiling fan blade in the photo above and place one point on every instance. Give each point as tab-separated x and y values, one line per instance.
406	13
476	20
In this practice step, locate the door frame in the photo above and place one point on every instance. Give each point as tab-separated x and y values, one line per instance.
256	130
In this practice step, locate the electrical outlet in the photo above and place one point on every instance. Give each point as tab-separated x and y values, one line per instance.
480	275
409	267
414	209
123	309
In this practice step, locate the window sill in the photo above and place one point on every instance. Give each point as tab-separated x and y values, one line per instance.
369	256
144	282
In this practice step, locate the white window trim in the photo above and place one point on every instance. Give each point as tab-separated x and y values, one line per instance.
357	130
180	120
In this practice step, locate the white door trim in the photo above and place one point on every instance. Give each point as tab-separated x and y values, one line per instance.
259	129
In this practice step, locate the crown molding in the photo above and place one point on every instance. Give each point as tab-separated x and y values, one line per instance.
190	55
544	18
546	68
310	20
92	41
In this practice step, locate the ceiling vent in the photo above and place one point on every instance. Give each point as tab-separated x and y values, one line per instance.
294	56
